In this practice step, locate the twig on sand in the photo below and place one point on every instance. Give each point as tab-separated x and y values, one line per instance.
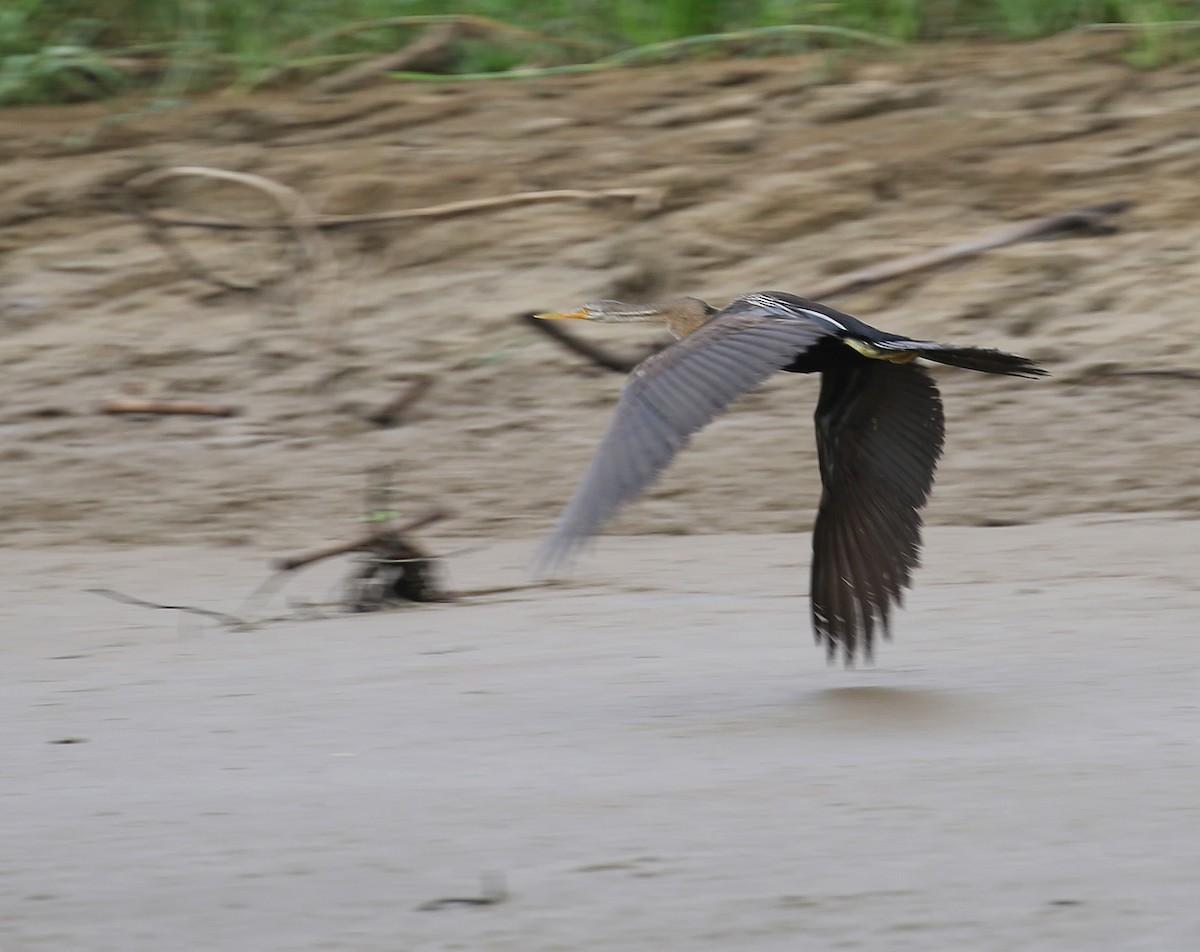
1089	221
308	247
309	266
433	52
645	199
231	621
120	405
1176	373
363	543
394	410
493	890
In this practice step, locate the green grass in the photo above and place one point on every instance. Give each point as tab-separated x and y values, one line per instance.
56	50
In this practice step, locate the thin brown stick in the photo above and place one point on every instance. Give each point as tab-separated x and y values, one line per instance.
117	405
368	541
431	52
394	410
494	890
1095	220
296	217
230	621
649	199
1176	373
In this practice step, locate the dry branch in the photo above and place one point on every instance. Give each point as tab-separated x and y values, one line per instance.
1174	373
647	199
364	543
296	217
394	410
230	621
494	890
1095	221
431	52
161	407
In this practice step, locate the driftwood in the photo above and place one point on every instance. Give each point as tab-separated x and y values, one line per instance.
392	570
493	890
362	544
1092	221
307	246
434	51
648	199
161	407
229	621
1175	373
395	409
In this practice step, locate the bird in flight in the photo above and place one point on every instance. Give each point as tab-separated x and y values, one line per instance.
879	422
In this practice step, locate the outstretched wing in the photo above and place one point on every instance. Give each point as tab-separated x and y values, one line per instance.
668	398
880	430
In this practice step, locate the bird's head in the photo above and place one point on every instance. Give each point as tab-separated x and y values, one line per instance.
682	315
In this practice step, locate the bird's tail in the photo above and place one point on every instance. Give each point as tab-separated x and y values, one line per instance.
984	359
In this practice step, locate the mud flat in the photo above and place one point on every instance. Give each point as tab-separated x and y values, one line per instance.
651	755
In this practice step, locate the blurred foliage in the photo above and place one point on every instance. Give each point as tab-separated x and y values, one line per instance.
54	50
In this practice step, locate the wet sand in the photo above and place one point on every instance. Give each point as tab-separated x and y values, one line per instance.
651	755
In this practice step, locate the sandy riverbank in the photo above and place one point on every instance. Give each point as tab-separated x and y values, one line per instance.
653	755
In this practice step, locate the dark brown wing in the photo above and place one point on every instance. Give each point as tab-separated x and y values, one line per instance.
668	398
879	435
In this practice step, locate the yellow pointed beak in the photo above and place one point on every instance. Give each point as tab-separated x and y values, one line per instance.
555	316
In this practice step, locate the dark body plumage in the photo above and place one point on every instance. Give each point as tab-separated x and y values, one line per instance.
879	425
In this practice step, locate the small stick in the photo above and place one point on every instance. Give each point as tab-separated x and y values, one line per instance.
310	248
649	199
393	411
431	52
167	407
1087	220
1177	373
367	541
231	621
493	890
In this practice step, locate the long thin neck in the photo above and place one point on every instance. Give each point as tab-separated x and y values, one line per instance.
682	315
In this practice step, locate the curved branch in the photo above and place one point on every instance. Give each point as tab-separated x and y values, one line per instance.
296	217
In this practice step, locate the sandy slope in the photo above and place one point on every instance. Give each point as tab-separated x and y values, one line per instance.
662	764
778	172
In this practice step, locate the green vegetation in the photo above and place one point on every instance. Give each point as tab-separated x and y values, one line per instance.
56	50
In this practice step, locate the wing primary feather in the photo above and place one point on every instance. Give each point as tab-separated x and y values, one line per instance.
879	435
668	398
